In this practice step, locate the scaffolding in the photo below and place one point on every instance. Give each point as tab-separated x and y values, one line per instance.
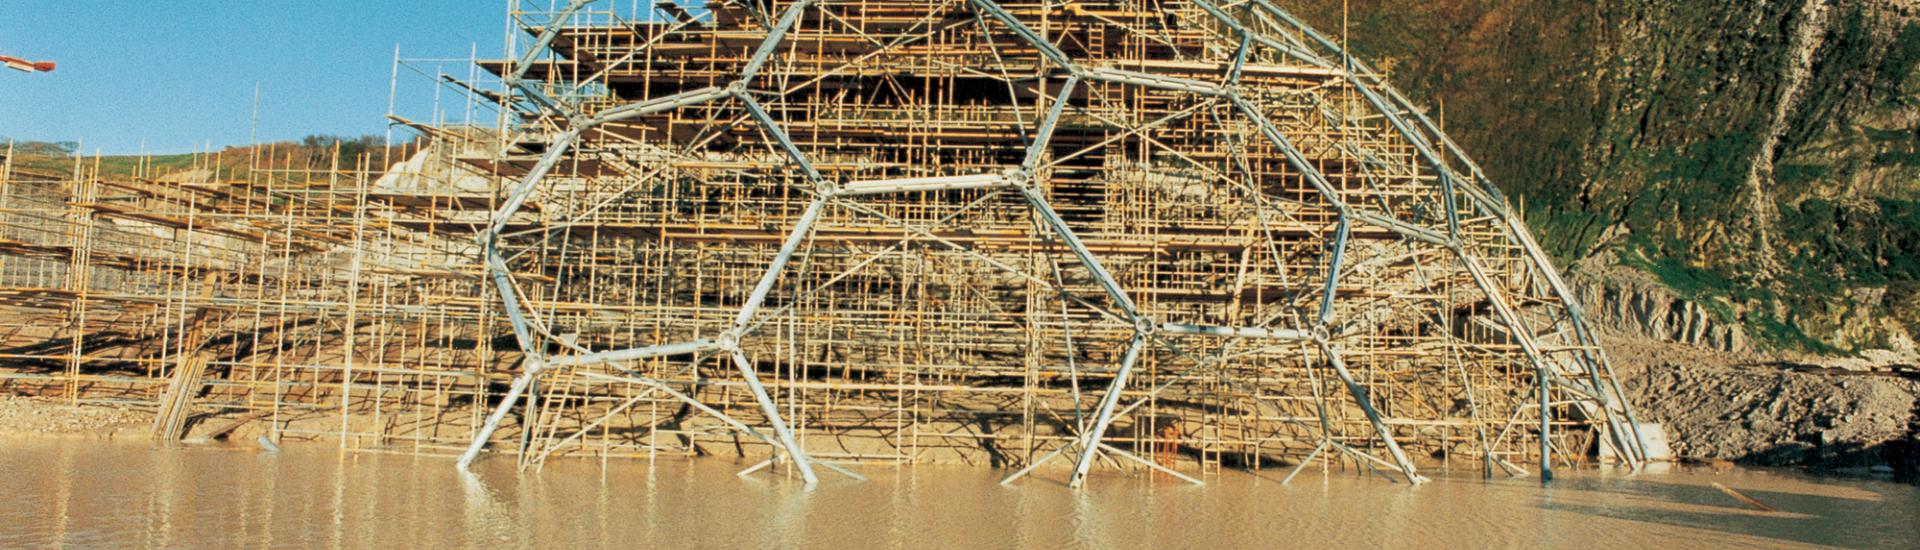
1157	235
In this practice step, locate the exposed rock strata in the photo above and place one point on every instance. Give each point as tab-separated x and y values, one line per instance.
1652	312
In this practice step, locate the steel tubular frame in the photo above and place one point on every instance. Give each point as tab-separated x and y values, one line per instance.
1026	180
729	342
1156	234
1633	450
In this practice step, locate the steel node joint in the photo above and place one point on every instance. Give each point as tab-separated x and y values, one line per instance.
535	365
1144	327
1021	178
728	341
1322	335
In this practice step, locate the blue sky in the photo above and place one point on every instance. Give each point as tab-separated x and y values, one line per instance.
178	74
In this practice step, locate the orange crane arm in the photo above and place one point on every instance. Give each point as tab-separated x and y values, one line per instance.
27	66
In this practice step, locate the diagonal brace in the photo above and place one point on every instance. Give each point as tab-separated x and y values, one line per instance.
1091	440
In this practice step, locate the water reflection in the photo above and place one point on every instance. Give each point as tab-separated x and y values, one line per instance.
102	494
1802	516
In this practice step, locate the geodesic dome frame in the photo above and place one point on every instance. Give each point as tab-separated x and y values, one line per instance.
1413	200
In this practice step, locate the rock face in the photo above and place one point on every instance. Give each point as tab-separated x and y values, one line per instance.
1766	416
1760	159
1651	311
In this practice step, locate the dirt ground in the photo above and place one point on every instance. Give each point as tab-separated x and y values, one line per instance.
21	415
1757	411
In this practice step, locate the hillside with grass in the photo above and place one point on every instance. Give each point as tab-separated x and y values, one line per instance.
1759	159
316	151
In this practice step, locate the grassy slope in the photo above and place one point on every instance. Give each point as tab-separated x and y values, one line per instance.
233	162
1629	127
126	165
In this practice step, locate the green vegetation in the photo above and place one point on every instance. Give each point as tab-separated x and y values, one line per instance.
1786	334
1646	118
311	151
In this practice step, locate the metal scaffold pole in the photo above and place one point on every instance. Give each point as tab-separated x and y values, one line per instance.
1171	237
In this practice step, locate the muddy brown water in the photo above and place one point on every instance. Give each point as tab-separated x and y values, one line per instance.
103	494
